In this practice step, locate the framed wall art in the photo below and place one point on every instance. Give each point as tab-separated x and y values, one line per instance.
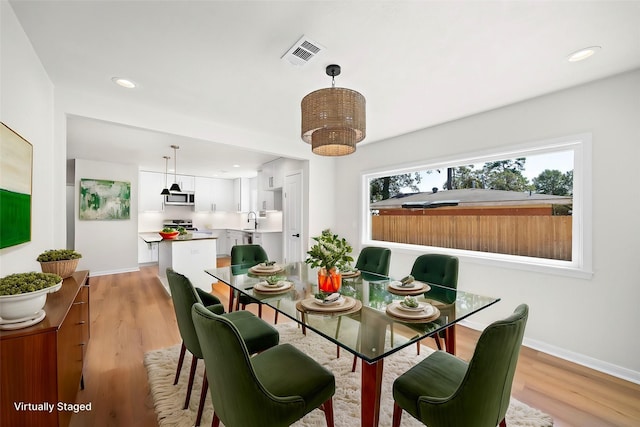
16	168
104	200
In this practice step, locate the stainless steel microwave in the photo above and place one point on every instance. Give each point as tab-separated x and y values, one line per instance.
183	198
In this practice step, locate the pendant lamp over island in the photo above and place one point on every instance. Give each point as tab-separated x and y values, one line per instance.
165	190
333	119
175	187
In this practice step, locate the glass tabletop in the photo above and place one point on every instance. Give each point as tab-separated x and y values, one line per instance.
368	319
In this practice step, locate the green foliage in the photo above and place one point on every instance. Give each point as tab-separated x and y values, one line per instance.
496	175
554	182
329	251
389	186
21	283
58	255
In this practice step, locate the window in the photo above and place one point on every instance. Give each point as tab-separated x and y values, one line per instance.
524	206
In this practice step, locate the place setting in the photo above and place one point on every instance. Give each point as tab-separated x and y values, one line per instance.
328	303
411	310
273	284
350	274
266	268
407	286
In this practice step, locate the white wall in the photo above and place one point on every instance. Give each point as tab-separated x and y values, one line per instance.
26	106
107	247
592	321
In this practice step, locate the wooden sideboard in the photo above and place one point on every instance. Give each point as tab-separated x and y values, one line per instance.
43	364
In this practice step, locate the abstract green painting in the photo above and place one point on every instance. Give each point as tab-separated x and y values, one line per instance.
16	155
104	200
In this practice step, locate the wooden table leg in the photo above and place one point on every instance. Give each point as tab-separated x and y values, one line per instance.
231	297
370	393
450	339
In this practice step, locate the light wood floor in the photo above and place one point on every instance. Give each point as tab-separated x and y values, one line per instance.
132	314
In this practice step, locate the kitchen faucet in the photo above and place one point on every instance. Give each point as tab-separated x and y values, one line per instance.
255	219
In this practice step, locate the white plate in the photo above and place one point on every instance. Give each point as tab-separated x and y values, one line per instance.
421	306
396	284
329	304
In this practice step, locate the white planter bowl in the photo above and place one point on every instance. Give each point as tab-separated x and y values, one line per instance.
21	306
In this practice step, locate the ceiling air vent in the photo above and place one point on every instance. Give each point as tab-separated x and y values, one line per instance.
303	51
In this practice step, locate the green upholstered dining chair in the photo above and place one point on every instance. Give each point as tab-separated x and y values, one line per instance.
374	259
274	388
244	257
444	391
442	270
257	334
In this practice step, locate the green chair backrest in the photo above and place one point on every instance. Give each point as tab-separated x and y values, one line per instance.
245	256
238	396
184	296
486	388
438	269
374	260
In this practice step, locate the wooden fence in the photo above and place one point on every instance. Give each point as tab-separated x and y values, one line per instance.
535	236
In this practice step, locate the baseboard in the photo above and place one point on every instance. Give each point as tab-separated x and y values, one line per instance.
107	272
580	359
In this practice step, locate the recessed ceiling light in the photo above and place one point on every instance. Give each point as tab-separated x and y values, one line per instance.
236	166
583	53
124	82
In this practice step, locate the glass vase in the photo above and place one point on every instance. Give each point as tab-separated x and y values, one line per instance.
330	281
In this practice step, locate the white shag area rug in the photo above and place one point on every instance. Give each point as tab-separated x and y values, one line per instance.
169	399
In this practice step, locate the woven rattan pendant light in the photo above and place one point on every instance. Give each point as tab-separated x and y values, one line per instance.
333	119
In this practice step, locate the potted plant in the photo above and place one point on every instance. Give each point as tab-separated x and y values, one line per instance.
22	297
62	262
331	254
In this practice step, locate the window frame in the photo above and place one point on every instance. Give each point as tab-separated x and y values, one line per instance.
581	257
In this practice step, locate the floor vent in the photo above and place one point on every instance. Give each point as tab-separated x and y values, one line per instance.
303	51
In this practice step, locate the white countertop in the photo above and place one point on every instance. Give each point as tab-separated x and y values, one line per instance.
251	230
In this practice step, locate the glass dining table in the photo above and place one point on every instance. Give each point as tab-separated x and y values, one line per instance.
367	320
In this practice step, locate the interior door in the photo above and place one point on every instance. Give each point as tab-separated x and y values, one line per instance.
292	212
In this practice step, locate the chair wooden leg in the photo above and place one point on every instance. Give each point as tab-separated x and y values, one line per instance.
436	338
397	415
203	398
215	422
183	350
192	374
503	423
355	362
327	407
260	310
275	320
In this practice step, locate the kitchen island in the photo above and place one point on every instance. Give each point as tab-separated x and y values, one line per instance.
189	255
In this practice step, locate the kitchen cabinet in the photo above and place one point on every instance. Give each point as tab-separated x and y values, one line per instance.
271	242
223	200
214	195
190	257
242	194
44	362
204	192
272	175
147	252
186	182
236	237
150	184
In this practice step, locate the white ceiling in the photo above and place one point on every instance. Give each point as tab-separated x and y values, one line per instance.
418	63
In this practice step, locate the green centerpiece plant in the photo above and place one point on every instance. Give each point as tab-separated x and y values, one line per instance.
331	254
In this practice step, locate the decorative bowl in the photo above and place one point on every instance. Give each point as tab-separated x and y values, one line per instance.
19	306
169	236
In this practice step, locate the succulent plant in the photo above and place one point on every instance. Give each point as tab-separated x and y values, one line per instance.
58	255
21	283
